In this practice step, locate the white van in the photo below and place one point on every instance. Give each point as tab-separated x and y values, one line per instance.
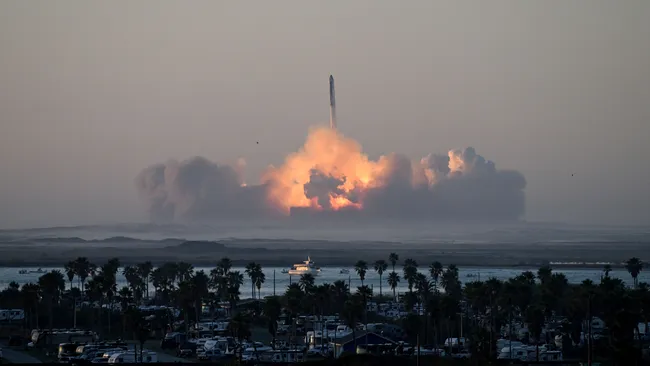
133	357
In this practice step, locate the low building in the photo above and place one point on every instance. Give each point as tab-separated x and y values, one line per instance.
349	343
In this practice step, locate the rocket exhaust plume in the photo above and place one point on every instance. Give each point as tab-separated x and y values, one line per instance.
332	105
330	174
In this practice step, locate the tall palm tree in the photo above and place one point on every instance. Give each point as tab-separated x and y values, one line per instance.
361	267
380	267
435	269
185	297
30	295
134	280
84	269
340	293
185	271
634	266
273	310
126	296
393	258
544	274
352	313
365	292
294	298
201	286
307	282
410	270
70	269
252	272
235	280
259	281
393	281
144	270
52	284
224	266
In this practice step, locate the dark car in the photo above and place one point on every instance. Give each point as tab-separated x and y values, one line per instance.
173	340
186	349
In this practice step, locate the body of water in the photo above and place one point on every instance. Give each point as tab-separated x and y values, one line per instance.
331	274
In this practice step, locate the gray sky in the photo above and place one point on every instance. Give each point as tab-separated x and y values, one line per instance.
93	92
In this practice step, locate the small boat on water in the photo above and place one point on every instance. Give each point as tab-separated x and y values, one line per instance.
24	271
304	267
285	271
344	271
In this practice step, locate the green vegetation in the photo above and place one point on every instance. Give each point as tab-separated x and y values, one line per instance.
477	310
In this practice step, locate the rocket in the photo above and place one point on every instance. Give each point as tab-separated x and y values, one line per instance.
332	104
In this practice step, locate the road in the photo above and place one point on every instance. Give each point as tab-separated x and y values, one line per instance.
13	356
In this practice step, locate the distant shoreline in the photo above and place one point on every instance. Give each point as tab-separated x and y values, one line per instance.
241	263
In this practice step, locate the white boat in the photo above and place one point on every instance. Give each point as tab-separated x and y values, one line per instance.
304	267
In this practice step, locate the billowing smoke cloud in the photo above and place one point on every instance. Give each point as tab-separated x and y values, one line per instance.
197	189
331	174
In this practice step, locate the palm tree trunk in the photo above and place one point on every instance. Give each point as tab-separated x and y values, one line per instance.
380	281
50	319
74	315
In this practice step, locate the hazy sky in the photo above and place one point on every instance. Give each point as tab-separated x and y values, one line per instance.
93	92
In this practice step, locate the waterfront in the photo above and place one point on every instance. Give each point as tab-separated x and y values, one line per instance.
331	274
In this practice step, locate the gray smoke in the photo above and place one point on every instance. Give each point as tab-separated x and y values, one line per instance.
459	185
321	186
196	189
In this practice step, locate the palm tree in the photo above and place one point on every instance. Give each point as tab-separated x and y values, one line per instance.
134	280
340	293
544	274
235	280
126	296
259	281
224	266
144	270
52	284
380	267
634	266
606	270
83	270
393	258
184	271
70	269
239	327
393	281
361	267
30	295
436	271
252	272
293	297
273	310
306	282
410	270
201	286
112	266
352	312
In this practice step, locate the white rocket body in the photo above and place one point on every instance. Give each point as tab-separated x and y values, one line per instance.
332	104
